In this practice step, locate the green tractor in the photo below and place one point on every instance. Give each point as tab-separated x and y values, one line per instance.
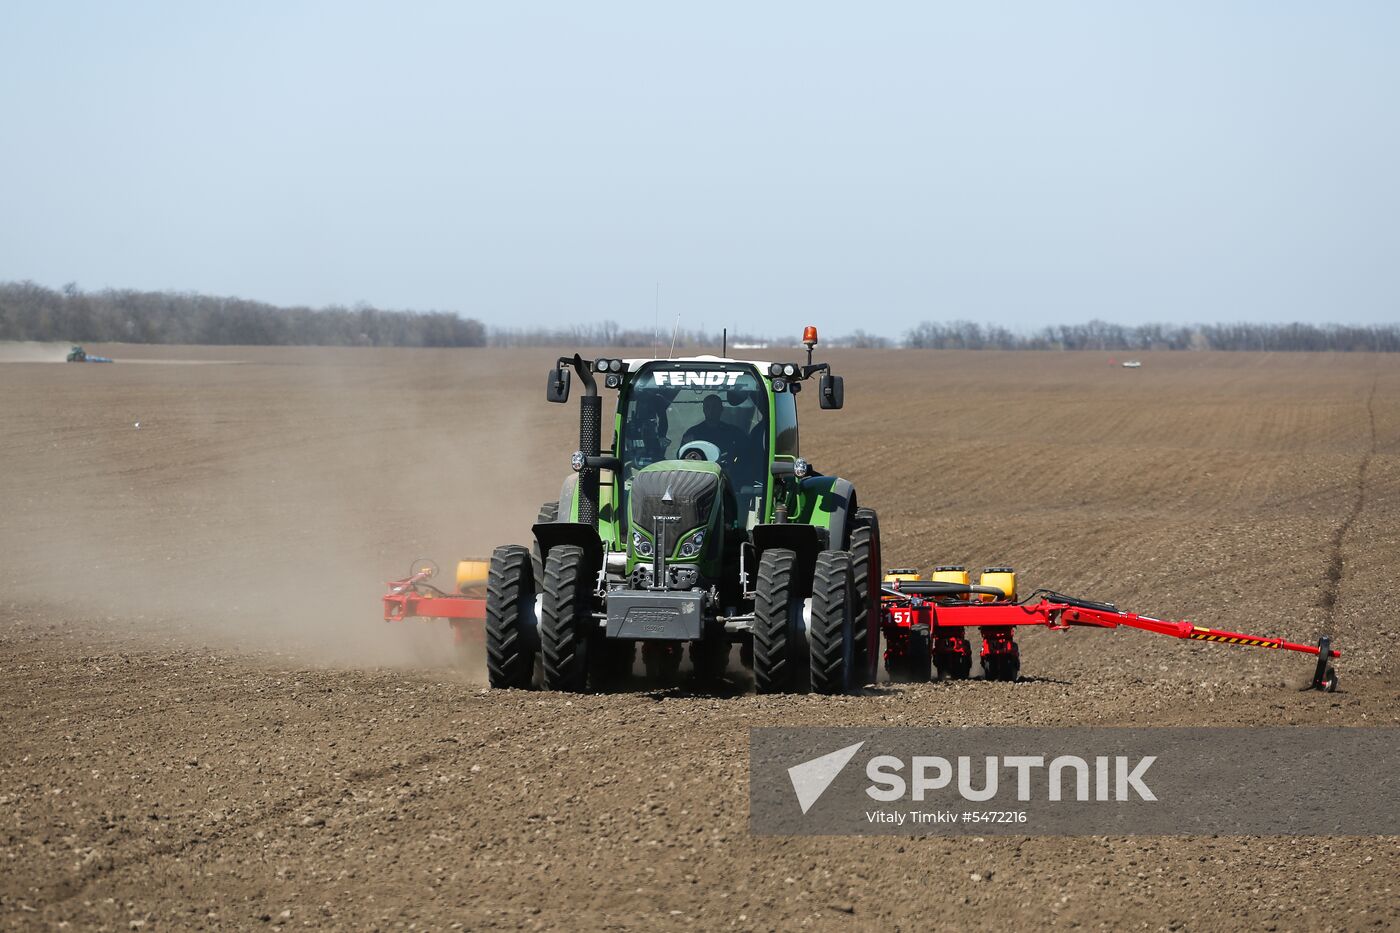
699	527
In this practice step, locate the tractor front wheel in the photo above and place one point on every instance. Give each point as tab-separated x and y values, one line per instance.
566	632
831	634
511	626
779	661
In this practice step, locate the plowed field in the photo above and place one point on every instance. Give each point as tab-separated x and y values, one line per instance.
206	726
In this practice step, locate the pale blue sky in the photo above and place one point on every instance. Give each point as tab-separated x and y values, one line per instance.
853	165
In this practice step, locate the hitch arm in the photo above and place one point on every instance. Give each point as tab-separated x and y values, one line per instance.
1324	678
1074	615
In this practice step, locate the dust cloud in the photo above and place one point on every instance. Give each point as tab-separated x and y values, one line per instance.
29	351
264	507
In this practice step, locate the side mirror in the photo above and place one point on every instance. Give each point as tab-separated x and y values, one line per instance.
832	391
557	389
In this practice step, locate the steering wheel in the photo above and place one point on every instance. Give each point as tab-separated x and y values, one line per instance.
706	451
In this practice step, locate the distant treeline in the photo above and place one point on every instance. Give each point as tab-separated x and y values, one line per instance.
610	334
32	312
1099	335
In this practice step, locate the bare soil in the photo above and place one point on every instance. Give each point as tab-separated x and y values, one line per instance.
206	726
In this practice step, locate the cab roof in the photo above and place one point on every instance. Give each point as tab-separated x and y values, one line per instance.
633	364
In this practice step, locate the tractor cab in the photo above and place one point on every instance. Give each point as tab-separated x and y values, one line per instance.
720	433
703	411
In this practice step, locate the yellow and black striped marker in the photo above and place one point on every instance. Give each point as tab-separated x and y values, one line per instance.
1205	634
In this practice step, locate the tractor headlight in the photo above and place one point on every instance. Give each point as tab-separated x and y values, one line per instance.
615	366
775	369
780	385
692	544
801	468
641	544
578	461
613	381
789	370
601	364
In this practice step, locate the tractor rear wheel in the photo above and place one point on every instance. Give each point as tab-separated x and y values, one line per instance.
566	632
511	626
779	663
830	635
865	566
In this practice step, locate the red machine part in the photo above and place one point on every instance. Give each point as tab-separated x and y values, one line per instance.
414	597
946	621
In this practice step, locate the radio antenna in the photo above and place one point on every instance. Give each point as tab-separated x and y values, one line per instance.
675	330
656	322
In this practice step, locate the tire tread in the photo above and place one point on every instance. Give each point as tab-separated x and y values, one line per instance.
510	582
774	670
562	639
832	592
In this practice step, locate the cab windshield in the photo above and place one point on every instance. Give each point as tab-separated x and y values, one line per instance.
697	411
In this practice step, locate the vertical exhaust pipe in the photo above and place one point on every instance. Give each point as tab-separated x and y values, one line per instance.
590	434
590	439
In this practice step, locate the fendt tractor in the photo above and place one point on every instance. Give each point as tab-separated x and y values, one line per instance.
699	527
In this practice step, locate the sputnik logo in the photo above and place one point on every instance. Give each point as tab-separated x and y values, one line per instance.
810	779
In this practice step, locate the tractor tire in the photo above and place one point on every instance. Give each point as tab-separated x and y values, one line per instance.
511	626
566	617
549	512
779	657
831	637
865	566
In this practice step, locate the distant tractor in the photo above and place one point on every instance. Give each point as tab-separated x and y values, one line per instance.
79	355
698	528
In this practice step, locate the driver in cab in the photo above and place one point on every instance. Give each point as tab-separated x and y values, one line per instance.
714	429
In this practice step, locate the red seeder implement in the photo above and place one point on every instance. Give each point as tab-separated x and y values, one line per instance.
414	597
925	626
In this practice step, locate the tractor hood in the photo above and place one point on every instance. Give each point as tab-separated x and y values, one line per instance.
668	502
